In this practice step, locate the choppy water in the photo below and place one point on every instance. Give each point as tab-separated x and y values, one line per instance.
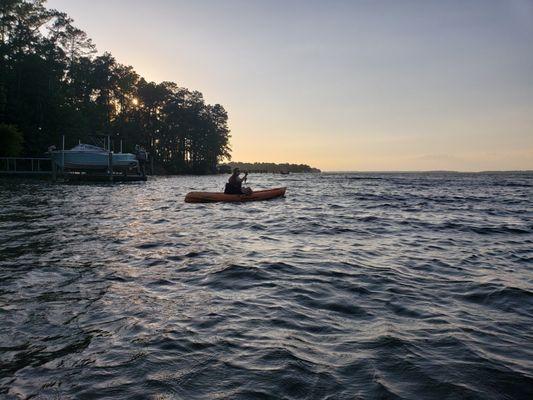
355	286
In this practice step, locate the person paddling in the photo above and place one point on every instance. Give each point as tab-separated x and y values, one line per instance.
234	185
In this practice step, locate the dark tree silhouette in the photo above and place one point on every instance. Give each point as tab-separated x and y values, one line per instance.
53	84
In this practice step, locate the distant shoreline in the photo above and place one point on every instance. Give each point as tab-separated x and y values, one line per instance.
267	167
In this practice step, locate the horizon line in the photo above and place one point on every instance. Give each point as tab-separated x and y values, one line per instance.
429	171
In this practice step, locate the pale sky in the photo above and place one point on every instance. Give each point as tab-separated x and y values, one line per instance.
342	85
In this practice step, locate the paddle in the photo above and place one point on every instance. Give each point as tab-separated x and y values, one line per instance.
245	180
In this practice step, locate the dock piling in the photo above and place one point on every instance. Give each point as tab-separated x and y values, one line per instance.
54	171
110	160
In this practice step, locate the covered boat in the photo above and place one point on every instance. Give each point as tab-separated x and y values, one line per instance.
86	156
211	197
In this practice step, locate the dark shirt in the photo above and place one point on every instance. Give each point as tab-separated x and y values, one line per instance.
234	185
141	156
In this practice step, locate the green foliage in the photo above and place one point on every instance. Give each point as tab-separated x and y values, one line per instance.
53	84
10	141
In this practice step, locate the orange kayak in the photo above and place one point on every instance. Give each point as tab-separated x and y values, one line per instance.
210	197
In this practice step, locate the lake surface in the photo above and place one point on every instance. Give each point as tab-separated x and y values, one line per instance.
355	286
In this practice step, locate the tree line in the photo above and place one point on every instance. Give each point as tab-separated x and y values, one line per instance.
53	83
267	167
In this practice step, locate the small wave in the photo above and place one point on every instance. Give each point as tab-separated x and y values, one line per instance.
407	312
341	307
504	298
236	277
503	229
152	245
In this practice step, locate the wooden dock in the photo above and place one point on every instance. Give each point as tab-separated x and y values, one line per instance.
44	168
103	177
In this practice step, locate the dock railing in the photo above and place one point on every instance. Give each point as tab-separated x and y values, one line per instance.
25	165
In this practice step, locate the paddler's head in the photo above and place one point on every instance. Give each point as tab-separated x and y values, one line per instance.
236	171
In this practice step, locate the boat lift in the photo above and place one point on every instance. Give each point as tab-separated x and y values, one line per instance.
32	167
